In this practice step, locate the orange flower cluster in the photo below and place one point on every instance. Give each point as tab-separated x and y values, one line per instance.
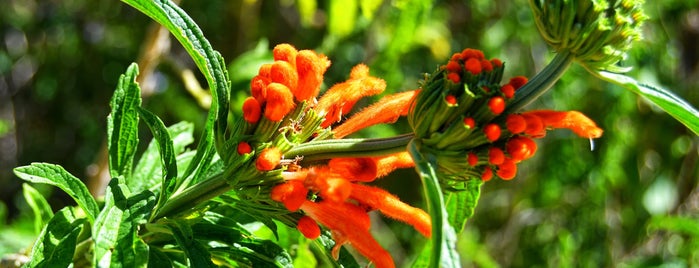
460	117
330	194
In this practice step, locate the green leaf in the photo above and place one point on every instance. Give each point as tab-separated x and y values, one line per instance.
460	204
197	254
679	224
210	63
326	244
56	243
167	153
342	17
122	123
666	100
158	259
445	254
115	231
148	170
39	205
57	176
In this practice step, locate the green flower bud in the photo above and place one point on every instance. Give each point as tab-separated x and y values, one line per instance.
597	33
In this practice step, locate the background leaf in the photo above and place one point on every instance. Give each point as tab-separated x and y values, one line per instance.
122	124
197	254
115	232
148	171
57	176
666	100
56	243
40	207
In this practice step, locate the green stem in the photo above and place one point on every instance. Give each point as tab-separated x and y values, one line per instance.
443	236
192	196
326	149
541	82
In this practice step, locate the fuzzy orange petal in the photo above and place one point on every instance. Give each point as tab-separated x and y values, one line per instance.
310	67
354	169
340	98
386	110
389	163
391	206
573	120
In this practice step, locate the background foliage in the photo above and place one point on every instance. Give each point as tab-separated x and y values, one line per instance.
633	200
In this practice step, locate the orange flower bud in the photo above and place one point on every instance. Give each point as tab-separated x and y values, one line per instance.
284	73
492	132
453	66
251	110
308	227
496	156
469	122
508	90
496	105
258	87
468	53
487	174
244	148
518	81
535	127
507	170
496	62
472	159
487	66
454	77
285	52
268	159
279	102
515	123
520	148
473	66
310	68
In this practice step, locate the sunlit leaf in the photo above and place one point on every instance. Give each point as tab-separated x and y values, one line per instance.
57	176
122	123
115	232
56	243
461	203
167	153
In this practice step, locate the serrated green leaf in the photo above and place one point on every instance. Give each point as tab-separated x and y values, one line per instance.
148	170
197	254
342	16
39	205
57	176
460	204
210	63
444	253
115	232
122	123
167	153
56	243
666	100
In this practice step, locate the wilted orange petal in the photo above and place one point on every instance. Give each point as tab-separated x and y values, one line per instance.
389	163
391	206
573	120
386	110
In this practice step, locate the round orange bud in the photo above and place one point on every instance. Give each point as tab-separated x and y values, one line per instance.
496	105
280	102
487	174
507	170
473	65
492	132
252	110
518	81
508	91
244	148
308	227
515	123
496	156
472	159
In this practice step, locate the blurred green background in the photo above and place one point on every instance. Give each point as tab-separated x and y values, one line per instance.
633	200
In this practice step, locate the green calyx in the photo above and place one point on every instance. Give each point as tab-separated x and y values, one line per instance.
598	33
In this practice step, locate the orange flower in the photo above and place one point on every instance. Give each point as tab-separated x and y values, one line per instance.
340	98
386	110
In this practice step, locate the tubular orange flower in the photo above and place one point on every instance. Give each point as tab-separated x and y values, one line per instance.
390	206
573	120
340	98
354	169
389	163
386	110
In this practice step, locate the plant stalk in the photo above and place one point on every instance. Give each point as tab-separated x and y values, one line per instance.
541	82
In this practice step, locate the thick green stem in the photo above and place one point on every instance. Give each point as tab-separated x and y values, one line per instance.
326	149
192	196
541	82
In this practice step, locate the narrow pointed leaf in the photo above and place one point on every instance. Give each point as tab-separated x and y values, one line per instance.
56	243
197	254
666	100
39	205
210	63
167	153
122	123
115	231
57	176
